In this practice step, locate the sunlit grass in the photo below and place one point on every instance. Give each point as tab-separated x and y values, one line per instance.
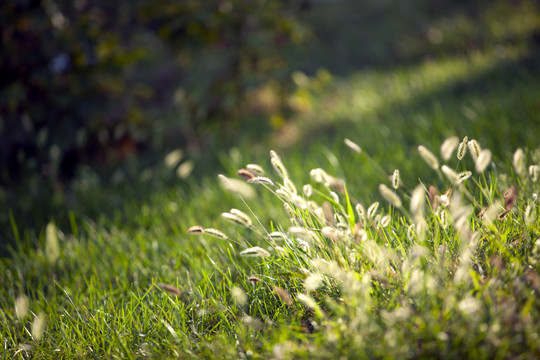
329	264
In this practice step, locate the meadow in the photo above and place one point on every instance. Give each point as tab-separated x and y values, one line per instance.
394	215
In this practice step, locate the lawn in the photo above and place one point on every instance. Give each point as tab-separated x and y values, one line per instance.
395	215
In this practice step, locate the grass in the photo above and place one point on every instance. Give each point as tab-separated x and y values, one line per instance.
342	279
338	278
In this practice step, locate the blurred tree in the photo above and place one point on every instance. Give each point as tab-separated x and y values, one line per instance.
82	81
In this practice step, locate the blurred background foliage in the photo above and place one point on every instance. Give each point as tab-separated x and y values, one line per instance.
87	86
95	93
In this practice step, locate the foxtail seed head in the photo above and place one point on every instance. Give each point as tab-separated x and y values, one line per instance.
283	295
275	160
237	186
534	170
256	169
389	195
385	221
255	251
361	211
462	148
395	179
483	160
464	175
216	233
237	217
261	180
417	201
450	174
196	230
428	157
448	147
372	210
474	149
518	162
290	186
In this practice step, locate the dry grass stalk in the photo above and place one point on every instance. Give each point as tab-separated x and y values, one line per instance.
246	174
283	295
510	197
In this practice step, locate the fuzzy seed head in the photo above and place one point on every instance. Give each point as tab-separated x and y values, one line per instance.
290	186
302	244
261	180
483	160
318	175
277	235
372	210
310	303
239	296
529	214
52	246
389	195
428	157
216	233
313	282
464	175
448	147
275	160
330	233
236	186
297	231
173	158
450	174
361	211
284	194
534	171
395	179
255	169
237	217
196	230
334	196
443	217
474	149
462	148
518	162
283	295
21	306
255	251
308	190
299	202
385	221
38	326
417	201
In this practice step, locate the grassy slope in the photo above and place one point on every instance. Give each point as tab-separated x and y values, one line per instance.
99	297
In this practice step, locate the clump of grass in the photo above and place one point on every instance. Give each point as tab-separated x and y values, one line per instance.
425	275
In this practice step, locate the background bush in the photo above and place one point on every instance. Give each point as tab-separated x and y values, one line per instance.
93	81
